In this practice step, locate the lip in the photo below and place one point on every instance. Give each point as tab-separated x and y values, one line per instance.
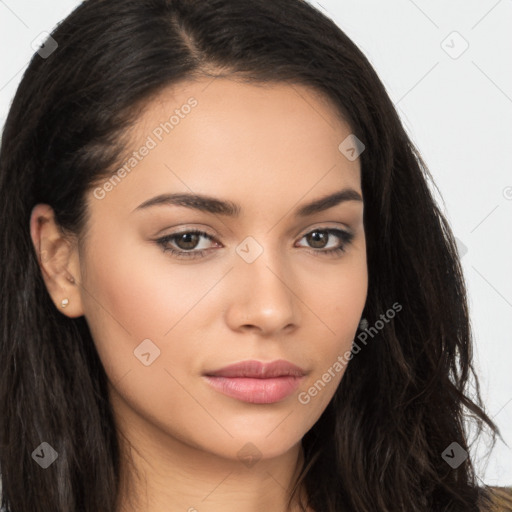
256	382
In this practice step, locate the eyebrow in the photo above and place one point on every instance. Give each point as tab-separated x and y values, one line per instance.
213	205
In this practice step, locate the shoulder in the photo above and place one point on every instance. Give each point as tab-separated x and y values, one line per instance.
501	498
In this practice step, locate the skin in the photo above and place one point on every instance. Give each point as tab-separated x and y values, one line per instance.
270	149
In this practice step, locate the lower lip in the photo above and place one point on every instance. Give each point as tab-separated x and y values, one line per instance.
256	391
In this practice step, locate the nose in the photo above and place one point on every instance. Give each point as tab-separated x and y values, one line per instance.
263	297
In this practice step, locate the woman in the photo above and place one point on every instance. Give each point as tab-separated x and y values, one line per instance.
227	285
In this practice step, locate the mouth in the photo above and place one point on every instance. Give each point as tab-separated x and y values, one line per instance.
256	382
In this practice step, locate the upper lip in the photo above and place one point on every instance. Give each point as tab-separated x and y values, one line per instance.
259	370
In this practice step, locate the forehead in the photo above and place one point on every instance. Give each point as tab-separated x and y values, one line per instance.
253	143
253	119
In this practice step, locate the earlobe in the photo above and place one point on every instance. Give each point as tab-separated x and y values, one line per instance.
58	261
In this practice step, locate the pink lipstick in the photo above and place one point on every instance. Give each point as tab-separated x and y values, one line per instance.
256	382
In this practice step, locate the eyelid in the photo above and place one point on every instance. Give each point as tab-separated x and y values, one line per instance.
199	231
324	227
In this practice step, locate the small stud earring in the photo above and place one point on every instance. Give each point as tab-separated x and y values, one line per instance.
64	303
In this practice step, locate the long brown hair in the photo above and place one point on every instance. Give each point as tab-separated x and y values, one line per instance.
404	397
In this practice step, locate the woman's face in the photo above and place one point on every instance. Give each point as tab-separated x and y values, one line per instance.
264	289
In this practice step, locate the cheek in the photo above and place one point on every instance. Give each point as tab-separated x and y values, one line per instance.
128	300
139	287
137	293
337	295
137	297
338	302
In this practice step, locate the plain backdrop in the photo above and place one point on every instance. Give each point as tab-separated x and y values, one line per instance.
446	66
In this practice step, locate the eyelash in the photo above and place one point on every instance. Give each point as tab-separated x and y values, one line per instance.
345	236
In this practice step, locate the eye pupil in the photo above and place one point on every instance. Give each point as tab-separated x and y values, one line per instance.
318	236
186	238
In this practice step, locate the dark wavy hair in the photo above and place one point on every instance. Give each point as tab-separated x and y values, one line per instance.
402	401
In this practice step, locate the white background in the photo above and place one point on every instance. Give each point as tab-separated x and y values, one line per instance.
457	109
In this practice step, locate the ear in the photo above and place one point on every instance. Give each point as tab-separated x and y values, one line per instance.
58	260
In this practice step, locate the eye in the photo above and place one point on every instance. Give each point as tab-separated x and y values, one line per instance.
186	242
184	245
319	237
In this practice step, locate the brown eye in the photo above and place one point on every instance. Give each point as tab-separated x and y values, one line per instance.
187	241
318	239
186	244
